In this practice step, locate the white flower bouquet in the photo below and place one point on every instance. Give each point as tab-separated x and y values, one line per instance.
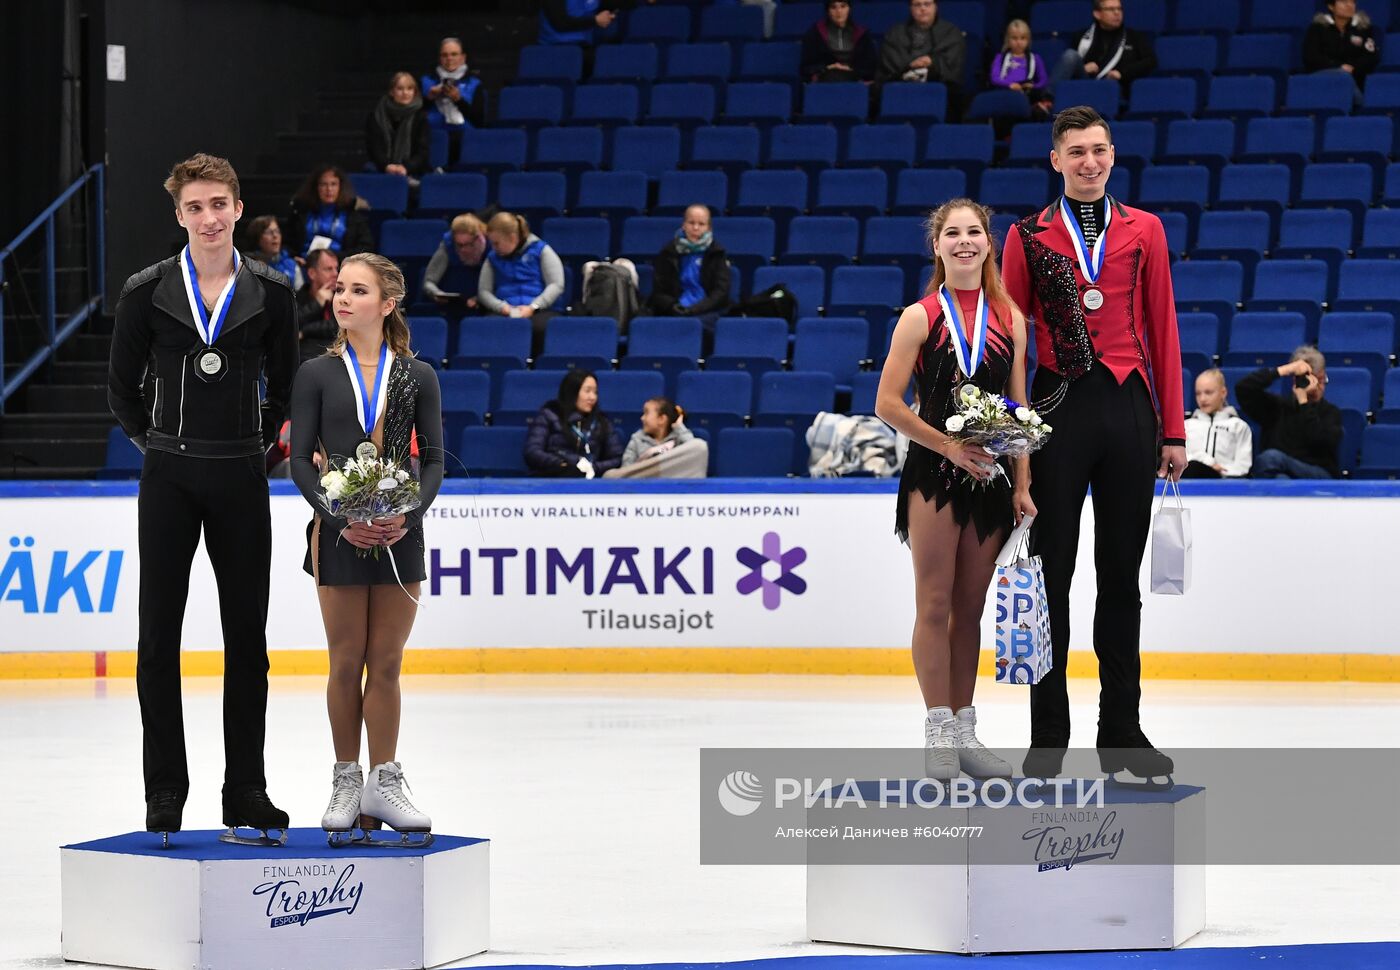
1002	427
364	489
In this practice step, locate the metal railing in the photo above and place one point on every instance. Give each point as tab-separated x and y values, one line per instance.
55	333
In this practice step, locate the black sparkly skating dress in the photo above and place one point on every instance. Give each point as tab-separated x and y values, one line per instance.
936	374
325	419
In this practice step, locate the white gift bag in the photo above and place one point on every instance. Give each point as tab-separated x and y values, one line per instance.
1171	545
1022	613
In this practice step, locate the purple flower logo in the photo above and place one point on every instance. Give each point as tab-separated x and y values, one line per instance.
772	556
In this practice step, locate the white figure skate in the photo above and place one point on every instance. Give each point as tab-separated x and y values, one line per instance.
384	801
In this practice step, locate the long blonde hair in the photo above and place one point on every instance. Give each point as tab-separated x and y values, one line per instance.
391	287
997	298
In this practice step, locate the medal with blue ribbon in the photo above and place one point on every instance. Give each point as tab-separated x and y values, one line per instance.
1090	261
369	402
210	364
969	355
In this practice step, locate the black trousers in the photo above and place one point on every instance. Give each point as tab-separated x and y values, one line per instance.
1105	439
227	499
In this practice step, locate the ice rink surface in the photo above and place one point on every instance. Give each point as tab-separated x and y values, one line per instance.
587	787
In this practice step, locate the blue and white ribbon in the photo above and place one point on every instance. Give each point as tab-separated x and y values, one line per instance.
208	325
969	355
369	407
1090	262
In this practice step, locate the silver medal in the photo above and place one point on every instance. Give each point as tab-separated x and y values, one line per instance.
366	451
210	363
1093	299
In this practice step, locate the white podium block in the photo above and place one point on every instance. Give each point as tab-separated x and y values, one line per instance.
305	906
1059	899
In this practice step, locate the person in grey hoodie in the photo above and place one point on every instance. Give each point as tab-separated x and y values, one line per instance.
923	49
1219	443
662	429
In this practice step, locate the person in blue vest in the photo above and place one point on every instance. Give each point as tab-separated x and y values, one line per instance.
454	92
325	214
574	21
453	273
265	237
522	275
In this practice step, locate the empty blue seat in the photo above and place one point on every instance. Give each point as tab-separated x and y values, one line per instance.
889	146
1240	97
749	240
734	24
839	104
864	388
897	240
626	63
827	241
1200	339
880	16
1175	188
550	63
523	393
466	400
773	60
808	147
1364	340
792	399
578	238
1267	54
1380	237
1030	144
1176	227
754	452
1352	388
919	104
1208	287
579	343
1291	284
1369	285
493	149
451	193
1380	452
427	336
1264	339
644	236
834	345
753	344
780	195
794	18
1015	190
410	237
684	105
1262	187
1241	236
680	190
529	106
493	452
860	192
918	191
1338	185
1206	16
1134	144
383	192
1209	142
1325	234
1196	57
492	347
1390	397
968	147
1281	141
667	345
712	63
568	150
611	194
758	102
653	150
806	283
715	392
535	195
870	293
123	459
1057	17
658	25
1383	97
1281	15
607	105
1162	97
733	148
1319	95
1364	140
998	104
1103	98
1390	192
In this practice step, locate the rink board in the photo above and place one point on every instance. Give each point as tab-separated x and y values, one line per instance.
964	904
202	903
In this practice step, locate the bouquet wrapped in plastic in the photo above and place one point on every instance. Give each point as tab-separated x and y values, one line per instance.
1002	427
363	489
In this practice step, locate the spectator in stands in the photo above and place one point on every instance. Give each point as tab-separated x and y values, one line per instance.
522	275
924	48
691	272
1019	68
1107	50
1218	441
1342	39
836	48
455	93
1300	434
265	236
664	447
574	21
316	324
452	275
396	131
571	437
325	213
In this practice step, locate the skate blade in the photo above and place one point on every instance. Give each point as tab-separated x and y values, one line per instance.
1131	782
344	838
406	840
232	837
164	837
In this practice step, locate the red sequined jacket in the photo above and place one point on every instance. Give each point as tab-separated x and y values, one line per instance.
1134	330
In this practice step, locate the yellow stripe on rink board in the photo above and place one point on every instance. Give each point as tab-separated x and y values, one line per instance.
1315	667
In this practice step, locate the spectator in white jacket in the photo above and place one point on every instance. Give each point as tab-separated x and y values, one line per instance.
1219	443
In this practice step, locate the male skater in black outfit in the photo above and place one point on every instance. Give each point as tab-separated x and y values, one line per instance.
194	333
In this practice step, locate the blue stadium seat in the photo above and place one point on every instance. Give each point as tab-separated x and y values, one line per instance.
889	147
1319	95
578	239
1208	287
644	236
754	345
1050	18
622	394
427	337
680	190
1369	285
493	452
1200	340
625	64
1263	339
794	19
968	147
774	60
658	25
1262	187
918	191
466	400
579	343
1383	97
920	105
550	64
708	63
1017	191
834	345
808	147
529	106
734	24
859	192
1220	17
1268	54
1290	285
684	105
1364	140
791	399
1281	141
1325	234
762	103
1134	145
714	400
779	195
1209	142
1240	97
730	148
612	195
667	345
1365	340
897	241
998	104
1380	452
1175	188
1380	237
1285	16
606	105
523	393
569	151
653	150
1390	397
535	195
123	459
1103	98
749	240
806	283
1196	57
878	17
826	241
383	192
1030	145
492	346
1390	192
451	194
410	237
1352	388
842	105
754	452
1241	236
493	150
1162	97
868	292
1176	227
1338	185
864	387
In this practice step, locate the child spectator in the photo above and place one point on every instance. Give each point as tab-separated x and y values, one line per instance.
1218	441
1020	69
664	447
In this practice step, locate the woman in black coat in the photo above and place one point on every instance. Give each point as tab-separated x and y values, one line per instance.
836	48
570	437
396	131
691	271
325	206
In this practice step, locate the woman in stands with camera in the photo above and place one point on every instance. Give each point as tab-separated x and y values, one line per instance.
325	214
522	275
455	93
956	502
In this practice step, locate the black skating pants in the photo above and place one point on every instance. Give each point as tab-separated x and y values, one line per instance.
227	499
1104	440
